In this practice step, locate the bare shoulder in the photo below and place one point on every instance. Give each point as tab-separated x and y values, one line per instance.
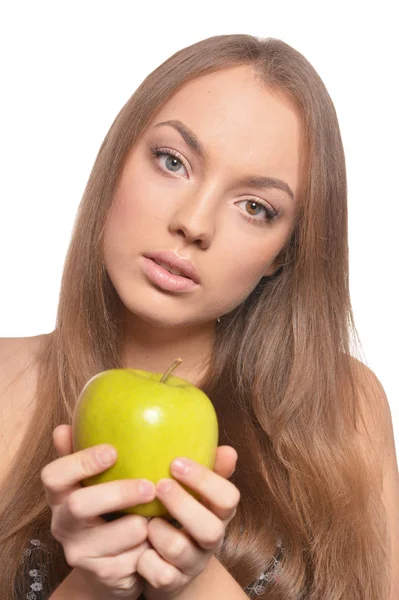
374	404
18	362
378	418
18	379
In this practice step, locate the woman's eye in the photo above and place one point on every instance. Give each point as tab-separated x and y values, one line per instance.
259	207
172	163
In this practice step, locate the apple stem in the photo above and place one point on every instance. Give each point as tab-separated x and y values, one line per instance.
172	367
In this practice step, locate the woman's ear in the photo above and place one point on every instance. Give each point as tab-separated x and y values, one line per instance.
272	268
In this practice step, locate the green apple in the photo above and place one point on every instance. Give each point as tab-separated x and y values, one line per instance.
151	419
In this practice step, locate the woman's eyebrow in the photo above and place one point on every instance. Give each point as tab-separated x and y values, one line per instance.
255	181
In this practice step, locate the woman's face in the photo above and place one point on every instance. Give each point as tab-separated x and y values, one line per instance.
197	207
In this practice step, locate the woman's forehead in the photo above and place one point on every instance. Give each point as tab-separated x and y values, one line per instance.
226	124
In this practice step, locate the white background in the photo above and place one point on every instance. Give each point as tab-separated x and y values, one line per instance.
68	67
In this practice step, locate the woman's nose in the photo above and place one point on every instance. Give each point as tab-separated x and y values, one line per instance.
195	219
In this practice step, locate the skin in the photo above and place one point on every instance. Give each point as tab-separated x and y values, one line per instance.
195	209
245	129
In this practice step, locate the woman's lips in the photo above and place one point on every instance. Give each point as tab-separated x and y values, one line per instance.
166	280
173	261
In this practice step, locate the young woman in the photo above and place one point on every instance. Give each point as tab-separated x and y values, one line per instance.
227	165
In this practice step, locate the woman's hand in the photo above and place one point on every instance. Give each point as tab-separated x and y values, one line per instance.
106	553
179	555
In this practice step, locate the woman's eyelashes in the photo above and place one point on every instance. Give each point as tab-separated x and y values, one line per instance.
174	161
175	156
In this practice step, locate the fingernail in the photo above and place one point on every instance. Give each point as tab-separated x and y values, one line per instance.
106	455
181	466
164	485
146	488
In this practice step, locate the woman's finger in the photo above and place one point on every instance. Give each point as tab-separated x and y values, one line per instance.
226	460
220	494
64	474
176	547
62	439
110	539
159	573
202	524
85	504
118	573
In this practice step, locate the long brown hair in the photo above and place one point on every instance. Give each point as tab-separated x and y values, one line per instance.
284	373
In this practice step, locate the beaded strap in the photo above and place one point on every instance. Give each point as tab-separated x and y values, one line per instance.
257	587
38	574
